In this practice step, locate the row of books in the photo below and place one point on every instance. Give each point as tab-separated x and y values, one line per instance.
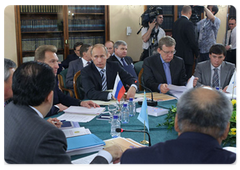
41	8
86	24
86	9
40	25
86	40
31	44
167	23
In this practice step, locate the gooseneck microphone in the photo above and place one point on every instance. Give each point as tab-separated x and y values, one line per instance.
149	102
142	131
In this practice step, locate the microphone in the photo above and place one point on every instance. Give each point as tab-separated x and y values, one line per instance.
149	102
142	131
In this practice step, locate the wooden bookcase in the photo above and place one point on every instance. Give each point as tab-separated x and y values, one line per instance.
61	26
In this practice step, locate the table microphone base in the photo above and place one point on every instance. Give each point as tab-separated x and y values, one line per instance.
149	103
144	142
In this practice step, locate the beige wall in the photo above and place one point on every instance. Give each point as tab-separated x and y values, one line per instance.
10	49
121	16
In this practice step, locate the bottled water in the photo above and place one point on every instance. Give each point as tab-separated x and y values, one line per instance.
124	114
131	107
115	124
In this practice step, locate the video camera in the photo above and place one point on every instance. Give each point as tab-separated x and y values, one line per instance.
150	14
196	10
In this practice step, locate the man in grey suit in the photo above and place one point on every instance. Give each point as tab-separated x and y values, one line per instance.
215	72
78	64
28	138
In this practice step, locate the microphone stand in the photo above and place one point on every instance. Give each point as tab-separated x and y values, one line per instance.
149	102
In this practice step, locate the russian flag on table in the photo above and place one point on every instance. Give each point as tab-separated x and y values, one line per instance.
118	89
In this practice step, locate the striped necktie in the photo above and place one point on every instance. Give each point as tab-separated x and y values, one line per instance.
215	79
104	81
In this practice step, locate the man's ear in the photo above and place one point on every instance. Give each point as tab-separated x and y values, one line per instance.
176	127
225	134
158	50
49	98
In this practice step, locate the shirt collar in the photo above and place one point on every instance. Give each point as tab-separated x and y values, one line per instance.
185	16
212	67
39	114
99	69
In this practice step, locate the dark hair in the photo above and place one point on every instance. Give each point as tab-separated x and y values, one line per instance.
32	82
84	48
77	44
8	64
214	8
218	49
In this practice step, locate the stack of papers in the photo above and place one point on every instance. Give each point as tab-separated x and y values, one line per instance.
80	114
154	111
76	132
84	144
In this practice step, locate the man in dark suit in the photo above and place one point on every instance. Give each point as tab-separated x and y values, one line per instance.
73	56
9	68
47	54
92	76
202	122
186	41
205	71
164	68
28	138
120	55
78	64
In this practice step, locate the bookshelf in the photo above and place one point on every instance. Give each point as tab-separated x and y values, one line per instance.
58	25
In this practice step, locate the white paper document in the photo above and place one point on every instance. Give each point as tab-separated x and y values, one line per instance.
76	132
84	110
154	111
76	117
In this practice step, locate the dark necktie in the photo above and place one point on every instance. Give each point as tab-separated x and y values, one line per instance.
229	41
88	63
124	62
167	73
215	79
104	81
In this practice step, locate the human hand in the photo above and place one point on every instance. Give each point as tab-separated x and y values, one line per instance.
152	24
225	89
61	107
194	81
164	88
89	104
116	152
131	92
55	122
227	47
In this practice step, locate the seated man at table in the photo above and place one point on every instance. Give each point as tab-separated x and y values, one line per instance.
78	64
202	122
100	75
164	68
47	54
214	72
28	138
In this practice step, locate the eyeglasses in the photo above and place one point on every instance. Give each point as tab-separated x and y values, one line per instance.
230	24
169	52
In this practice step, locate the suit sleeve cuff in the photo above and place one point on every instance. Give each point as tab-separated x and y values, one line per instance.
106	155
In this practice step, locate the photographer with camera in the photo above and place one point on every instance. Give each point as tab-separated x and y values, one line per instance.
151	31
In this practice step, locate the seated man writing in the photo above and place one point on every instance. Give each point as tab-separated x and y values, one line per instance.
100	75
215	72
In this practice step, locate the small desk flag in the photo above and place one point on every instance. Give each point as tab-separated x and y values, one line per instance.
232	85
118	89
143	115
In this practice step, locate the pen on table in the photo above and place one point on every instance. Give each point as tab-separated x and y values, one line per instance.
55	122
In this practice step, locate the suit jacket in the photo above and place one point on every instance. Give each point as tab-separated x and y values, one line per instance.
92	83
129	62
186	42
203	72
59	97
69	58
154	74
188	148
29	139
73	68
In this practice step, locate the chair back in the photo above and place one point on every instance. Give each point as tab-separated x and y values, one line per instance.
77	86
138	66
140	80
62	82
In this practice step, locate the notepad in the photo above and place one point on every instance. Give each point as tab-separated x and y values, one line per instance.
154	111
84	110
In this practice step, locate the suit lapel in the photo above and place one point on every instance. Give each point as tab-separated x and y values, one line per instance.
208	72
160	68
223	74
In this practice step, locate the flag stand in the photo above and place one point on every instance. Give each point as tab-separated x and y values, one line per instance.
145	142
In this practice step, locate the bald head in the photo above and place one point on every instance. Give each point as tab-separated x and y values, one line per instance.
204	110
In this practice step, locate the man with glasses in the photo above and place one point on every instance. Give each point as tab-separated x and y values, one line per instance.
164	68
230	43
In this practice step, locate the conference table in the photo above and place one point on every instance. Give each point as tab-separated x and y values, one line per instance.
101	128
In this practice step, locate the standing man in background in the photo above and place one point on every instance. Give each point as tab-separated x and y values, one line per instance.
109	45
184	35
230	43
151	35
208	29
